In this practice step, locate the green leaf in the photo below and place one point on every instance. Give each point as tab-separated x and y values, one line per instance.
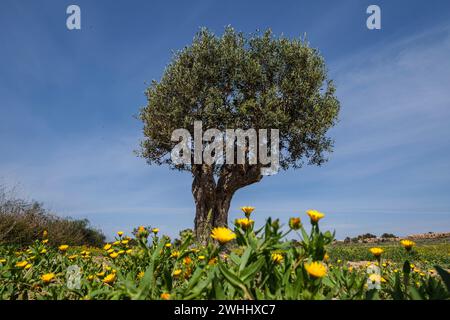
244	258
415	295
445	276
234	280
218	290
146	283
372	295
194	279
397	294
252	269
201	286
407	267
305	236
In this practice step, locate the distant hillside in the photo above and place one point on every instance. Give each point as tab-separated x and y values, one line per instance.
370	238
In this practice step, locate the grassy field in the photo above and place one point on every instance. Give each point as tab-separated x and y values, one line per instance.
238	263
426	253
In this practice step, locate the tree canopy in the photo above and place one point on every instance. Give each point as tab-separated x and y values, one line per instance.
242	82
234	81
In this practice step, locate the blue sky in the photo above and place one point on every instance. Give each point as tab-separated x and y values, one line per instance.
67	131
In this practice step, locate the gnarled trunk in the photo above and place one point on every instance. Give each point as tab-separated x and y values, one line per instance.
212	200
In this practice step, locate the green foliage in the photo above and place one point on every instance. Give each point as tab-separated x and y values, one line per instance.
258	264
388	235
22	222
234	81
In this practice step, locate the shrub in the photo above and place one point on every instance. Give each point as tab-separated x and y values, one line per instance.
388	235
22	222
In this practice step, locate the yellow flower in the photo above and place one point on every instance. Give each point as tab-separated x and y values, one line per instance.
141	274
110	250
244	223
155	230
188	273
165	296
277	258
120	233
315	216
121	252
44	234
2	260
407	244
142	232
212	261
223	235
247	211
177	272
114	255
73	256
129	251
201	257
43	251
295	223
376	251
110	278
375	278
100	274
187	260
90	277
326	257
168	245
116	243
45	241
175	254
47	277
107	246
21	264
316	269
63	247
125	241
28	266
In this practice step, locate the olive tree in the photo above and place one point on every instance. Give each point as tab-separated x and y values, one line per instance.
240	81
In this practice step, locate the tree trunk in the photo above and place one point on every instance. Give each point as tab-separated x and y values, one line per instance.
204	192
212	200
